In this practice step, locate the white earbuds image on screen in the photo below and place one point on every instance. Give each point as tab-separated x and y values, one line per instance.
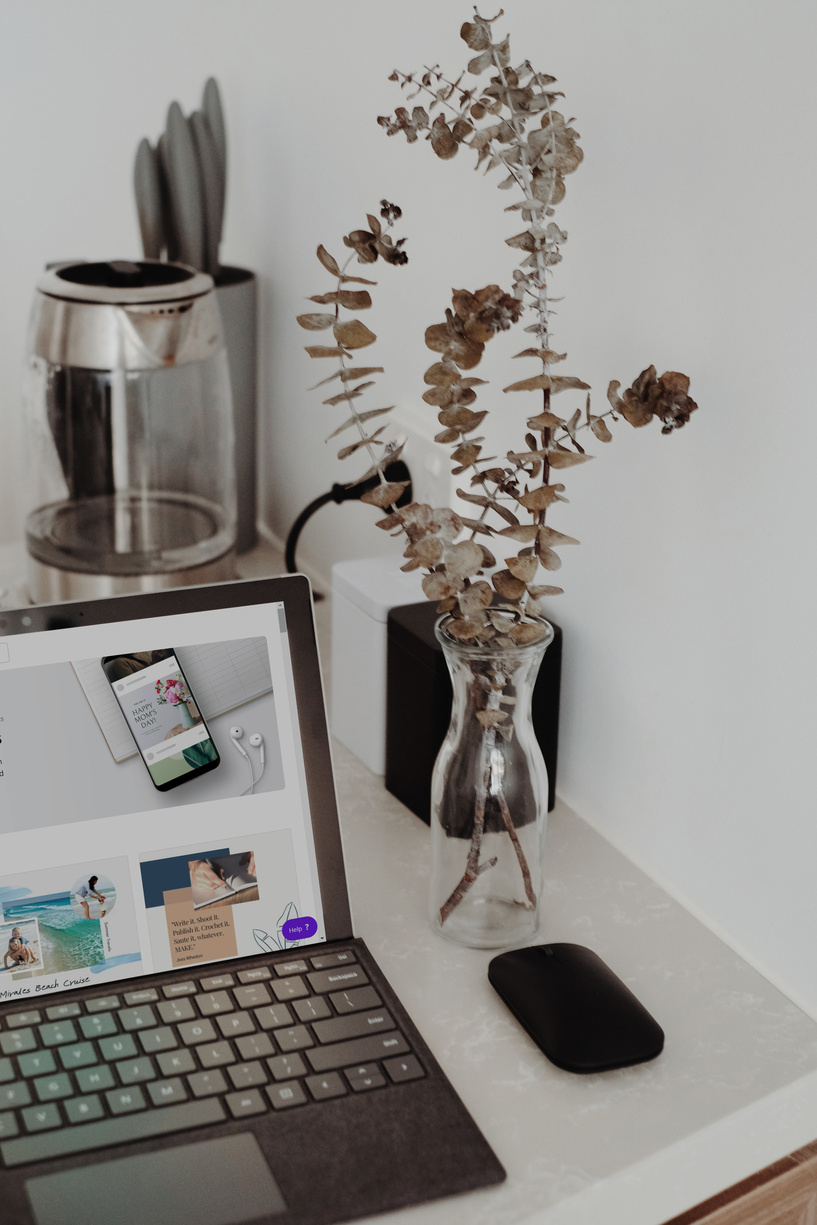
257	742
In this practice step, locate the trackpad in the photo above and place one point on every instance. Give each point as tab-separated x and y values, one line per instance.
216	1182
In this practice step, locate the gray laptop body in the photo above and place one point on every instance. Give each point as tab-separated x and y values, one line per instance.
280	1080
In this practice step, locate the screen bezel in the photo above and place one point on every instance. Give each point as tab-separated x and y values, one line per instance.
295	593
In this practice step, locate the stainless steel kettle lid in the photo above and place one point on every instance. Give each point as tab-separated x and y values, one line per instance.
124	282
125	316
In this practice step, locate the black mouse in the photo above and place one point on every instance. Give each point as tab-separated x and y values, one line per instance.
575	1008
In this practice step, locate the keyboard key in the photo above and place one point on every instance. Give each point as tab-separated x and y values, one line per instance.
155	1040
167	1092
247	1075
215	1054
173	1063
326	960
16	1094
37	1063
313	1009
120	1047
294	1039
358	1050
217	983
148	995
284	968
18	1041
137	1018
125	1101
286	1095
254	1046
7	1071
58	1012
204	1084
323	1087
52	1088
219	1001
19	1019
100	1025
89	1080
356	1000
341	978
111	1131
353	1026
8	1125
236	1024
365	1076
81	1055
172	991
177	1010
241	1105
134	1071
41	1118
192	1032
83	1109
286	1067
104	1003
252	996
254	975
404	1069
58	1033
273	1017
289	989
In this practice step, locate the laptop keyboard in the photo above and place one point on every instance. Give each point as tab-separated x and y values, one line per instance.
175	1055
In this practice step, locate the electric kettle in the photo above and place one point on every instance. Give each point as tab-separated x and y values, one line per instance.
129	432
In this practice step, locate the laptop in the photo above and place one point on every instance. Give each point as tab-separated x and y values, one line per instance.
189	1029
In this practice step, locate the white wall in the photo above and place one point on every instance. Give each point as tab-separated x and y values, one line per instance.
688	704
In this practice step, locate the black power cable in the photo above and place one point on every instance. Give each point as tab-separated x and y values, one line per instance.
396	471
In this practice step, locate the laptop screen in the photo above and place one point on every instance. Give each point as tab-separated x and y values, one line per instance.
165	786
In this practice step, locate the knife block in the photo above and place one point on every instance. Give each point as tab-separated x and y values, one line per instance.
418	705
237	297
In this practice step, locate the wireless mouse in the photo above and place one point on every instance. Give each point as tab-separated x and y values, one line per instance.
578	1012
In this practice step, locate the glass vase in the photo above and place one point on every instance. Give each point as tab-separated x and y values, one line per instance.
489	797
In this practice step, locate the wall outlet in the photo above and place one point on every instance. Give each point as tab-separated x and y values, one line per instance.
427	460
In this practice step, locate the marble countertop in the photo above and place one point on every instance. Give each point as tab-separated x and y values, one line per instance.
733	1090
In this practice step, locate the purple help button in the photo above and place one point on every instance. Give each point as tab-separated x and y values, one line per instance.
299	929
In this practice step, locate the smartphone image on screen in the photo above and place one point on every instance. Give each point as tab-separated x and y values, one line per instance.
160	709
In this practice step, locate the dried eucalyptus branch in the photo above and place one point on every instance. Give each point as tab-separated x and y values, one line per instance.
536	147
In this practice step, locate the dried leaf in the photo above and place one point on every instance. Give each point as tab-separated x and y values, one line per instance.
539	382
438	586
316	322
524	532
522	568
463	559
477	34
428	551
385	495
488	559
509	587
349	393
600	430
490	718
526	632
353	334
539	498
345	452
548	356
479	63
475	597
548	536
442	374
356	280
482	499
545	421
540	592
352	299
329	262
372	412
567	382
566	459
324	351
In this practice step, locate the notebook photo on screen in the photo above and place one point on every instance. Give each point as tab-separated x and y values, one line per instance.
186	1016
